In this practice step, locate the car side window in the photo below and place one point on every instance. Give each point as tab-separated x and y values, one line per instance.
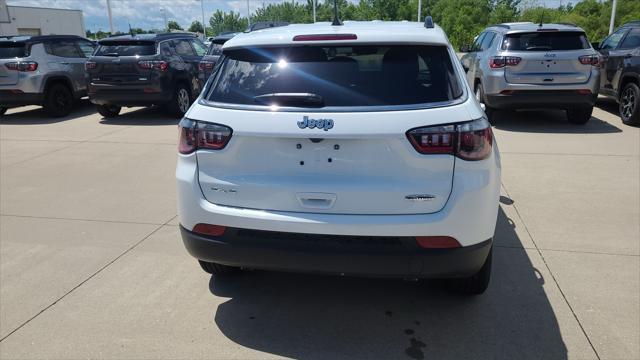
86	47
199	47
488	39
183	48
613	40
632	40
65	49
476	44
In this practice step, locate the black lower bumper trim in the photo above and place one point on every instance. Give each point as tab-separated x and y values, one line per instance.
349	255
541	99
128	97
10	99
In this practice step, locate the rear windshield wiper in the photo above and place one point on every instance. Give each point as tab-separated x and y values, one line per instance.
538	48
110	54
291	99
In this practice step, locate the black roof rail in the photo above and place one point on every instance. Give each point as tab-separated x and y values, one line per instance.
39	38
266	24
428	22
631	23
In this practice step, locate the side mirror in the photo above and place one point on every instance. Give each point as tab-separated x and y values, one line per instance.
465	67
596	45
465	48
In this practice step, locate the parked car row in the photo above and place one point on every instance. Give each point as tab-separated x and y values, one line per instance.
141	70
527	65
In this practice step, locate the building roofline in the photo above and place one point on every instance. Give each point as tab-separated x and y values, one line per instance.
39	7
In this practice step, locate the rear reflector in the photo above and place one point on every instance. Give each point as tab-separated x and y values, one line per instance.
209	230
584	92
325	37
437	242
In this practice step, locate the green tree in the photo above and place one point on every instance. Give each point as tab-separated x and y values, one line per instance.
173	25
462	20
196	26
221	21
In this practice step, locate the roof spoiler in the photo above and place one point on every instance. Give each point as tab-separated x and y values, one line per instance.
267	24
428	22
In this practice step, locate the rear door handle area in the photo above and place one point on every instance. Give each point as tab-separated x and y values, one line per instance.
318	201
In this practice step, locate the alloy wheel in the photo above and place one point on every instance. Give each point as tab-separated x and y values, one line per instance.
628	101
183	100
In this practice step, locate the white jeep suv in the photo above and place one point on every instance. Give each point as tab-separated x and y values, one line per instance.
354	149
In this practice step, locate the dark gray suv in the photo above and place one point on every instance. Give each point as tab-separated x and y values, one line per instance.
43	70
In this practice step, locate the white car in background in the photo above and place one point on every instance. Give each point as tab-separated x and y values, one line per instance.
352	149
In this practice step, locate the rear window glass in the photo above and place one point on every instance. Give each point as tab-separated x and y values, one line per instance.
126	48
545	41
336	76
10	50
214	49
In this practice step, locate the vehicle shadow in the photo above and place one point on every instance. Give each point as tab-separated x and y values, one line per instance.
330	317
548	121
37	116
151	116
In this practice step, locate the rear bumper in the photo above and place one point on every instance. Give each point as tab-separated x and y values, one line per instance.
127	97
541	99
349	255
10	99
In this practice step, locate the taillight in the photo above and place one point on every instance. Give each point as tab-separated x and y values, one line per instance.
592	60
154	64
196	135
22	65
90	65
325	37
469	141
206	65
498	62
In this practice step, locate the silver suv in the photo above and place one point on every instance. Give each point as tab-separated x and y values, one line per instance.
534	66
43	70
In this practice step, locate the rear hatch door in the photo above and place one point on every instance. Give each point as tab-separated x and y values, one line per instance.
341	162
118	62
10	51
547	57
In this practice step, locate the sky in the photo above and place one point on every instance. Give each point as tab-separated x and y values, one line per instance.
148	14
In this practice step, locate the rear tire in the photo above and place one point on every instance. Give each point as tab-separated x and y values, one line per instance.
579	116
629	107
58	100
475	284
479	93
108	111
2	110
180	101
216	269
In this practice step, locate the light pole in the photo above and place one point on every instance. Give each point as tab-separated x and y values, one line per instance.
204	27
613	15
314	10
419	10
110	17
248	14
164	14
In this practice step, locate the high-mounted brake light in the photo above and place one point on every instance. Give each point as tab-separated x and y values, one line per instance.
498	62
325	37
469	141
22	65
206	65
196	135
592	60
154	64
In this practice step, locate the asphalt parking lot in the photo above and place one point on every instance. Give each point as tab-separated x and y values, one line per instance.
92	265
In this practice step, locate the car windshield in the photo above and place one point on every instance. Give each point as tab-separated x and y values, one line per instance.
336	76
545	41
10	50
126	48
